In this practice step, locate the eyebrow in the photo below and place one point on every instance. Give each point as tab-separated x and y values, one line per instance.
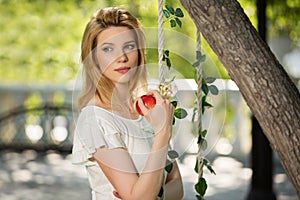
131	41
109	43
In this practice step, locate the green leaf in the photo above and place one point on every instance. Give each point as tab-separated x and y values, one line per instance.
213	89
203	144
180	113
198	55
178	22
196	64
208	166
173	154
196	166
166	13
170	9
174	103
202	58
201	186
179	13
211	170
210	79
167	53
194	114
169	167
203	133
206	104
172	79
161	192
168	62
203	99
172	23
205	88
199	139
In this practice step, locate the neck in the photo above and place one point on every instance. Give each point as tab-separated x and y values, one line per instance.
121	102
121	98
121	93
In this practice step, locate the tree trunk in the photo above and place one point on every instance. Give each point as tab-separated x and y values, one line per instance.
265	86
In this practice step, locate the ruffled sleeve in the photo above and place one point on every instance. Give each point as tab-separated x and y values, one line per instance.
92	133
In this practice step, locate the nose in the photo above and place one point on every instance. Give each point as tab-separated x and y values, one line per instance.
123	57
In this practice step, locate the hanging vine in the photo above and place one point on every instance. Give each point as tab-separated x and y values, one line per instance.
205	87
165	87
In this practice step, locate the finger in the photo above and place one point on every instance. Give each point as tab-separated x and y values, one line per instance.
156	95
116	194
172	109
167	101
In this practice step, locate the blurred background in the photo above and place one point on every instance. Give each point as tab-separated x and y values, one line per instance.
40	63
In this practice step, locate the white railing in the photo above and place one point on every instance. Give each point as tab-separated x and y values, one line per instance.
228	123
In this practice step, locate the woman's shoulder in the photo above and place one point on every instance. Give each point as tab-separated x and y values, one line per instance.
94	112
94	118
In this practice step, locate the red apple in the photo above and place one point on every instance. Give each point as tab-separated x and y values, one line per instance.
149	102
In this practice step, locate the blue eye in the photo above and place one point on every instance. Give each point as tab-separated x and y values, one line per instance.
107	49
129	46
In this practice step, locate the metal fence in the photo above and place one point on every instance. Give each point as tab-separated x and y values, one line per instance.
41	128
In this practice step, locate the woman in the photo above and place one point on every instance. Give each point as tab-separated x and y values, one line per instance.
124	153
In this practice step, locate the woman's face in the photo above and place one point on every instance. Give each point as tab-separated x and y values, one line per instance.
117	53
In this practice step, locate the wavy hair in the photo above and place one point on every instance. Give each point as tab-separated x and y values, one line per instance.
95	83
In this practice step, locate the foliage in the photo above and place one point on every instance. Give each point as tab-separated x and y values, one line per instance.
40	40
173	16
207	87
284	18
167	59
201	187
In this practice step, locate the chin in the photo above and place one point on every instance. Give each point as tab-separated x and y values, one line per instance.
126	77
123	80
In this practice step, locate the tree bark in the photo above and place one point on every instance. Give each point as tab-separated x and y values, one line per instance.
266	87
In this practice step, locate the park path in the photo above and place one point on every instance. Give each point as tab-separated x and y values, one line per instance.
29	175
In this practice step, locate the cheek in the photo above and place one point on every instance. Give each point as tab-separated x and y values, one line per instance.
105	61
133	57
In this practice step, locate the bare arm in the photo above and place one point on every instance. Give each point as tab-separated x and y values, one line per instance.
174	187
119	168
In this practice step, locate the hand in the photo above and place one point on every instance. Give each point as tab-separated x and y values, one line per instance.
161	115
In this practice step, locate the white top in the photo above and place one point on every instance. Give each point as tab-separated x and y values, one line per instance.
98	127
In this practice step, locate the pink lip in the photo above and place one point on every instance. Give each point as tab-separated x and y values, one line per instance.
122	70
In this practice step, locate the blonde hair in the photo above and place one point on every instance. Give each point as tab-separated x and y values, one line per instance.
94	81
